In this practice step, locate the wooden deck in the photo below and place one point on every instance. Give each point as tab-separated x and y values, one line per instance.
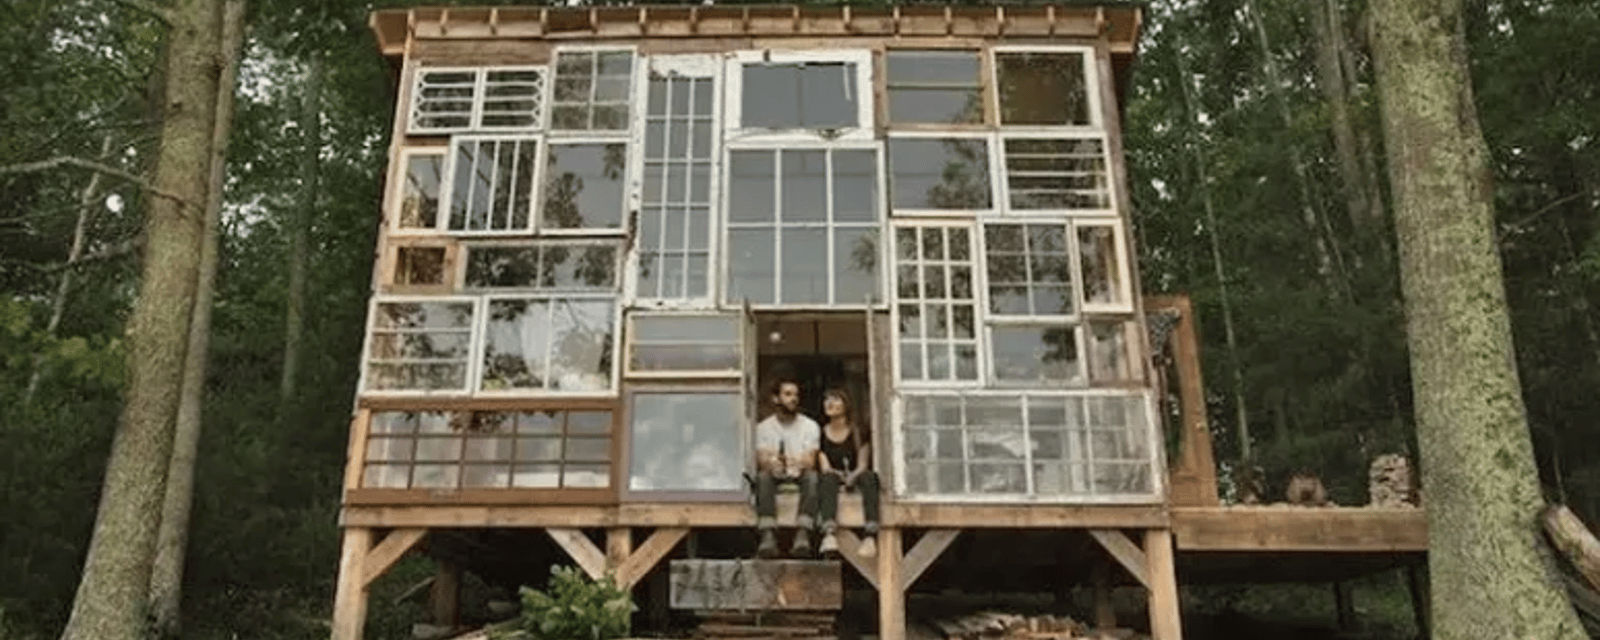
1308	529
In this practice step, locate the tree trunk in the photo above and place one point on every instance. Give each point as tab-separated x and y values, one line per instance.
112	597
166	580
299	238
1335	91
1485	549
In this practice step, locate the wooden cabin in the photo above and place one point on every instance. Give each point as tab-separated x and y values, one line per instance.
607	230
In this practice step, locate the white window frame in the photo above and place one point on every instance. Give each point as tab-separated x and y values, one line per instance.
1124	268
731	376
447	191
1091	77
989	319
979	300
699	66
1153	441
996	193
480	86
458	277
472	343
633	92
984	81
1003	172
733	112
397	192
482	335
724	226
734	386
628	177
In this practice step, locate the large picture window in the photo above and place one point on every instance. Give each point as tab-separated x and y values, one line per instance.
419	344
584	186
936	307
676	208
803	226
941	174
555	449
687	441
476	99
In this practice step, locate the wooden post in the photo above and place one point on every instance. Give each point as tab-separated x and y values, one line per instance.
891	588
445	596
619	545
350	596
1165	612
1417	584
1343	606
1105	615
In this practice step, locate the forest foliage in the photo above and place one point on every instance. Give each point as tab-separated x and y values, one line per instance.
1242	200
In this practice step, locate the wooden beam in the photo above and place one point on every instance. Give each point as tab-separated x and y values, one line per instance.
1259	528
386	553
743	585
1126	553
619	545
1417	587
725	515
350	596
1105	612
582	550
445	595
891	588
850	550
922	554
640	562
1343	606
1165	610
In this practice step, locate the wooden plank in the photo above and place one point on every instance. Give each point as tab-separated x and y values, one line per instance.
445	595
850	550
1194	477
736	515
922	554
1165	610
656	547
393	547
350	596
619	545
1267	528
1125	552
582	550
756	584
1105	612
891	589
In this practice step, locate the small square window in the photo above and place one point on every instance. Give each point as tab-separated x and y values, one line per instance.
419	191
934	87
940	173
1043	88
583	186
492	184
592	91
419	266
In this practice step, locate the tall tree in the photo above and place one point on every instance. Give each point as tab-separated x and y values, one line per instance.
299	237
166	579
111	601
1492	576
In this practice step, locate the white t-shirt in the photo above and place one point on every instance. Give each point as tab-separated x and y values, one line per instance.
799	436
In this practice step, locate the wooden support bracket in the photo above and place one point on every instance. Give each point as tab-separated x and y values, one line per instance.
582	550
386	553
850	550
619	545
633	568
922	555
1125	551
1165	620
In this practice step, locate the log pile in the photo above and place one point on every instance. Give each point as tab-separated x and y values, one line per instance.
765	625
995	625
1390	483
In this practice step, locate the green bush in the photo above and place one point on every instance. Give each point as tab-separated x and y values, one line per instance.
574	608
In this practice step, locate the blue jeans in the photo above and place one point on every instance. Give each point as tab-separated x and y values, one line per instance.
767	499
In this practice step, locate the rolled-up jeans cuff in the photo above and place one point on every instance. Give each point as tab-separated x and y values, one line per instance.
803	521
871	529
766	522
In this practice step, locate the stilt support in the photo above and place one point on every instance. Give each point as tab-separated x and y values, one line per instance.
891	587
1343	606
1105	615
350	596
625	564
1417	584
445	595
1125	552
638	563
1165	623
581	549
850	550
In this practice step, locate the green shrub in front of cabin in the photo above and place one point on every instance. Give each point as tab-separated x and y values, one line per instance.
573	608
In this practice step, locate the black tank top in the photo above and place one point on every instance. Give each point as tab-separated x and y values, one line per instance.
841	455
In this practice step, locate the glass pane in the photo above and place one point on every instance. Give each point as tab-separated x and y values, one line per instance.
386	476
751	193
488	449
698	357
911	358
502	266
1109	359
486	476
538	449
584	186
1035	354
435	476
686	442
536	476
805	265
588	423
580	266
441	449
1122	478
855	260
417	377
751	265
855	186
391	449
425	315
543	422
588	449
419	201
586	476
1097	250
828	95
1042	88
393	422
516	340
1057	174
941	87
419	266
939	173
999	478
805	186
581	332
420	346
771	96
492	183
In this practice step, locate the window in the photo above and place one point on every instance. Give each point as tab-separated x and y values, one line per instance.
583	186
1067	174
491	187
551	343
1044	88
471	450
934	87
799	95
1104	267
1029	269
685	344
420	266
592	91
802	226
418	344
448	100
935	305
675	217
689	441
1022	445
419	189
940	173
546	265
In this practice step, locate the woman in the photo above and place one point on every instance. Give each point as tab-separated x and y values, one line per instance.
844	458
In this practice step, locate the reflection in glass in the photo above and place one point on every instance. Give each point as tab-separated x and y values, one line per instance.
511	98
1028	269
806	95
419	345
751	265
551	344
686	442
493	184
419	199
1042	88
803	256
934	87
939	173
685	343
675	211
1035	354
583	186
443	99
1068	173
592	90
1097	251
1109	358
542	265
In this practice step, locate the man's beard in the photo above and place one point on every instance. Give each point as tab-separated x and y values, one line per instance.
785	411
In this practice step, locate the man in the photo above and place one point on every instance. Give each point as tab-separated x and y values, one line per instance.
786	452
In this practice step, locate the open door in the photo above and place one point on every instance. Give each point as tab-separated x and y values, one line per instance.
750	350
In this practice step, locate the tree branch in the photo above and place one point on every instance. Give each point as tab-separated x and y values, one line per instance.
146	8
114	251
1518	225
45	165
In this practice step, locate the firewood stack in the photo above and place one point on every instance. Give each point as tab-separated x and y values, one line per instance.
994	625
765	625
1390	482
